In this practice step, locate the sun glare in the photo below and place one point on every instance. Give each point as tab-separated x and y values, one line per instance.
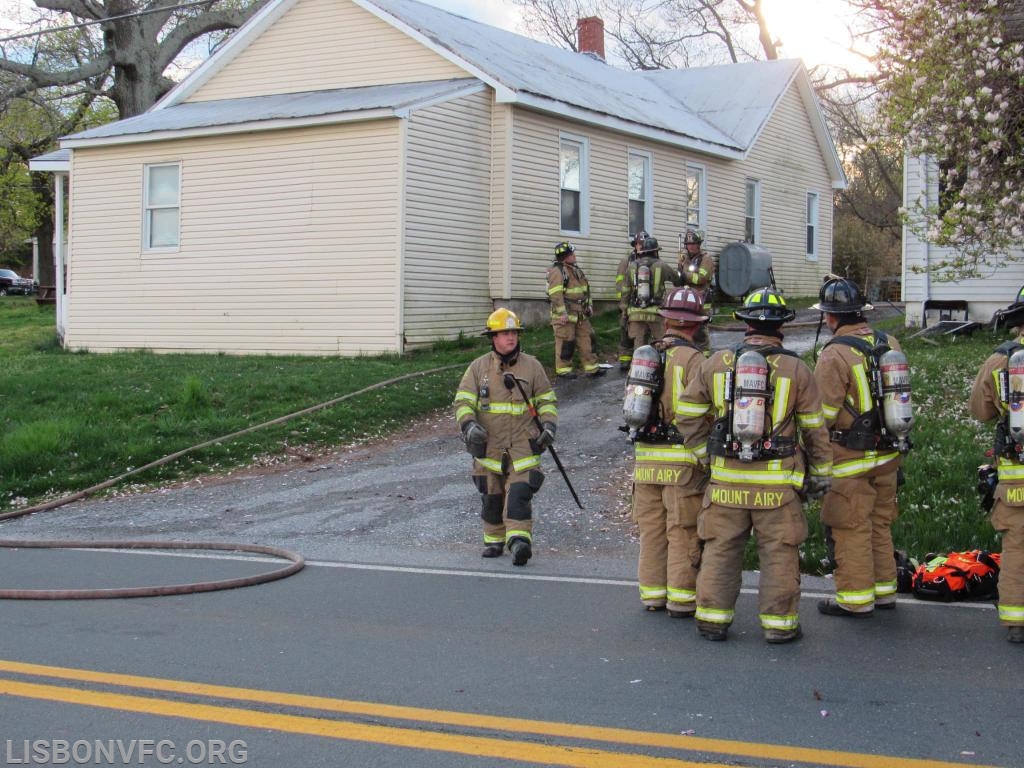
816	31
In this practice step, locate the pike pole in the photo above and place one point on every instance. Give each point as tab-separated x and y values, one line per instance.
536	420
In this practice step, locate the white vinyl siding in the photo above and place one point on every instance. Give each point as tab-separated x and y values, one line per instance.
534	203
447	219
290	243
789	163
353	48
535	220
500	240
984	295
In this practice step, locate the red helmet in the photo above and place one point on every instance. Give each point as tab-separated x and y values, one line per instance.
683	304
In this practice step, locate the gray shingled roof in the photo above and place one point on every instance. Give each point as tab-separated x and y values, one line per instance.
528	66
720	110
286	106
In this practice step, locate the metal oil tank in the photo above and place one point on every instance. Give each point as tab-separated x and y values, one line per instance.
743	267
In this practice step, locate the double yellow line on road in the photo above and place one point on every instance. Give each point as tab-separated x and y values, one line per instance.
511	747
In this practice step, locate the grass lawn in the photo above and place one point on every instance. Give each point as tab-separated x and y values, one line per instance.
71	420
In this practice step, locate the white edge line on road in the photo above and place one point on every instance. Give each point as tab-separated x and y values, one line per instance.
512	576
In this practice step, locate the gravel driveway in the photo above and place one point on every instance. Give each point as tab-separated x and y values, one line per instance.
406	499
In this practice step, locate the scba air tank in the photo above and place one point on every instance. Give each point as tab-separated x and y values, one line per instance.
642	382
749	402
643	284
897	405
1015	396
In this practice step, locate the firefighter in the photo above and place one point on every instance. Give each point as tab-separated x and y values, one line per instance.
767	443
644	288
697	270
571	308
622	294
991	396
501	435
669	476
859	509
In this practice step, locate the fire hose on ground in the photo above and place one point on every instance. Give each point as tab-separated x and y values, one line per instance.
296	561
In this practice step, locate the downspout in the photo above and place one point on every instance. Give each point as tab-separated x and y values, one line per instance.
926	174
60	239
403	164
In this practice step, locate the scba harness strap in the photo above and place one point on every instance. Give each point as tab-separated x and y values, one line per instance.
865	433
772	445
646	283
657	430
1004	445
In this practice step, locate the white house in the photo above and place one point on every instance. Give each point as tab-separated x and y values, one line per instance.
362	176
922	287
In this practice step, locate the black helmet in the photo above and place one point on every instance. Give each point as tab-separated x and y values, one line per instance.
639	237
563	249
650	245
840	296
765	305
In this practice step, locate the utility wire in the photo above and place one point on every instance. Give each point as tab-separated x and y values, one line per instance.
82	25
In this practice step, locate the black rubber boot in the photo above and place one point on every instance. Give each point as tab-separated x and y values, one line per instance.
713	632
521	551
493	550
832	608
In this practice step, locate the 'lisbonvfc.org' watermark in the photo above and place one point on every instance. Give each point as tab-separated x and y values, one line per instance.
124	752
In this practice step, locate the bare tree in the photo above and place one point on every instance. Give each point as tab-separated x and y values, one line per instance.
75	60
120	48
660	34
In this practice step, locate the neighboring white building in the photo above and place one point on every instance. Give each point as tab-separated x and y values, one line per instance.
363	176
983	295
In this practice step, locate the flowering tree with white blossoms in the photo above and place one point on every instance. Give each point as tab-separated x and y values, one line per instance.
955	91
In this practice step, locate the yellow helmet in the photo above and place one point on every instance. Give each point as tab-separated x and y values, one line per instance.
502	320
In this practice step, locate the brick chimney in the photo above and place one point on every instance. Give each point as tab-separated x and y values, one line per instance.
590	36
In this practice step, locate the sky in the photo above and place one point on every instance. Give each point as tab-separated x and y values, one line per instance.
813	30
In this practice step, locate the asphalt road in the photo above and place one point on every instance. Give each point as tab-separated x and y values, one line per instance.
551	664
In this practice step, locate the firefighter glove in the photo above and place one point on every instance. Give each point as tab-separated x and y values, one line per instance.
474	434
546	436
818	486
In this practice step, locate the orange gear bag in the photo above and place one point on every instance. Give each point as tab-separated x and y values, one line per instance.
972	575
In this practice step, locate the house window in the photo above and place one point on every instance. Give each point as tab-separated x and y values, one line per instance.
752	224
574	180
161	204
639	193
812	226
696	192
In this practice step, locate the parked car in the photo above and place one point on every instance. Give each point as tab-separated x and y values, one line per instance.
11	282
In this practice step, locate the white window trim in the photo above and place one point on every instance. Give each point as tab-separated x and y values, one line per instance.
813	220
584	143
146	248
702	190
648	159
757	209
